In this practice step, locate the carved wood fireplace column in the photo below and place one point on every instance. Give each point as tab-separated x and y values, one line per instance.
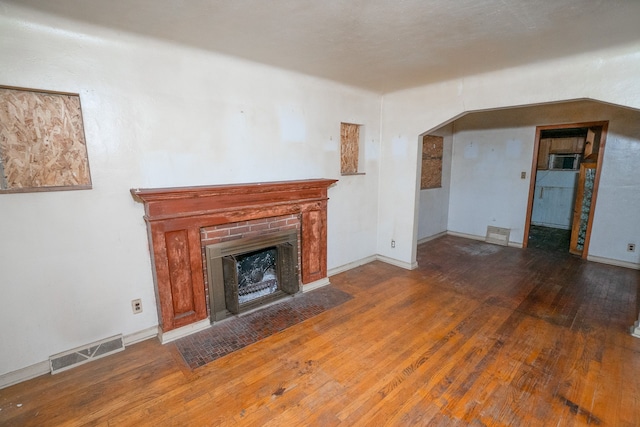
314	238
174	217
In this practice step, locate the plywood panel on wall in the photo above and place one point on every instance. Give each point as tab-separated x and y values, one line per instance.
42	143
349	148
432	147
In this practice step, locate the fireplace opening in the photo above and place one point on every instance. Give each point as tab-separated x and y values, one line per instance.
256	274
246	273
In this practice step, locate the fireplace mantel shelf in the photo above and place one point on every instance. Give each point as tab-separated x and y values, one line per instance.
174	217
245	188
181	202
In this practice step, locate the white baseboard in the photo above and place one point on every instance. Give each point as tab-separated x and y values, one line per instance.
315	285
465	235
397	263
142	335
351	265
174	334
615	262
24	374
367	260
429	238
512	244
635	329
44	367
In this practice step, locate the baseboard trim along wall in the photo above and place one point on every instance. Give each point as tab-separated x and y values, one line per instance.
512	244
367	260
315	285
351	265
24	374
397	263
174	334
44	367
429	238
142	335
615	262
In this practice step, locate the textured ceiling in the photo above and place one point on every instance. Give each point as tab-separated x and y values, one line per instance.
380	45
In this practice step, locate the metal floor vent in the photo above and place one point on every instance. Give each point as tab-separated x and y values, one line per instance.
72	358
497	235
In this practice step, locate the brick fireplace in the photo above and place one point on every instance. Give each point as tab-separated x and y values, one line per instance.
230	242
181	221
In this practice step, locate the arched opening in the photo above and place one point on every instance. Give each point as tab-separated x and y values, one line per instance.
492	168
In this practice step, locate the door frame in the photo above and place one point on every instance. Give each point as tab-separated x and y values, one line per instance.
604	125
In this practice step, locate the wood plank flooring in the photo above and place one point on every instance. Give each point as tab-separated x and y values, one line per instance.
478	335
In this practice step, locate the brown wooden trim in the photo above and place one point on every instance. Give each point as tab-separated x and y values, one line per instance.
577	210
532	187
574	125
596	184
314	232
43	189
49	92
169	203
179	213
603	138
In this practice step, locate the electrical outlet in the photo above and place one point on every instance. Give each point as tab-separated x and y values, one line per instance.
393	243
136	306
523	175
631	247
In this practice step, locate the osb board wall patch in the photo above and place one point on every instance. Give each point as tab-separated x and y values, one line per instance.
349	150
432	148
42	144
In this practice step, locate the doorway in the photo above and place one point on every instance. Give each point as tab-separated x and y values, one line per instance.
563	186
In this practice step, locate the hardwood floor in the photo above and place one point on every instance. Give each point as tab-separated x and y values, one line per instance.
478	335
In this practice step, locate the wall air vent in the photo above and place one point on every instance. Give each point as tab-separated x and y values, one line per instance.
70	359
497	235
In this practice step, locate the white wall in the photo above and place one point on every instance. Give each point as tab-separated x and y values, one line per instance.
616	221
486	188
434	202
491	148
608	76
155	115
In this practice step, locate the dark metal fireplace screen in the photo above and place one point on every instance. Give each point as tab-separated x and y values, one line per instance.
246	273
254	276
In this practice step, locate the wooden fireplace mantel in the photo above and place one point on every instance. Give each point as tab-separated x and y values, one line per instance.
174	217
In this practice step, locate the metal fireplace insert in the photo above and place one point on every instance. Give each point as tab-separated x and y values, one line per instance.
246	273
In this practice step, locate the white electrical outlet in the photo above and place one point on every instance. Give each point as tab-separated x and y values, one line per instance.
393	243
136	306
631	247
